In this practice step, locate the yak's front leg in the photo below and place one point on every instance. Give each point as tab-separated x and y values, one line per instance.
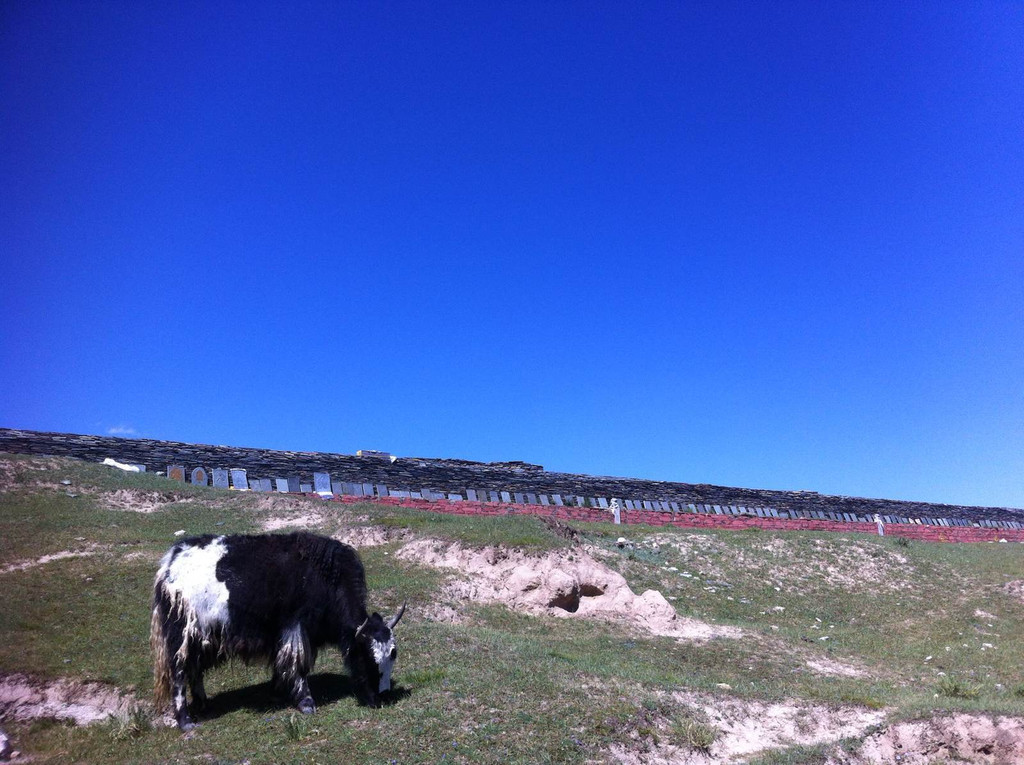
292	664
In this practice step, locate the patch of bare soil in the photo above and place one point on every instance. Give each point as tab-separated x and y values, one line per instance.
441	613
558	584
136	501
822	665
563	530
23	698
787	563
370	536
1015	589
307	520
276	502
48	558
747	727
956	738
9	470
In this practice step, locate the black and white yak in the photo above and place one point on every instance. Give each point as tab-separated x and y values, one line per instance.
278	597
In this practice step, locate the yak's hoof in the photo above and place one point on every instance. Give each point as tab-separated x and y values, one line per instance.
306	706
186	725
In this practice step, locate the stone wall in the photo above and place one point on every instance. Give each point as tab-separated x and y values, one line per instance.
923	532
451	476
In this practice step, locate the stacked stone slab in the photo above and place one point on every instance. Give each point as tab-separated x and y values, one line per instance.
501	480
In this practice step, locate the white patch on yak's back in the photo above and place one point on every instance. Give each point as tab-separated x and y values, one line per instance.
191	580
382	655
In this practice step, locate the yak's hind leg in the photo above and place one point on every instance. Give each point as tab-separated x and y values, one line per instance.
292	663
195	684
179	672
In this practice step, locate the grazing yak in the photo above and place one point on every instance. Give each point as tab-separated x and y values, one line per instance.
278	597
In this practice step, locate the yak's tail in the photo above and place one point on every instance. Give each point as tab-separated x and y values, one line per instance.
161	661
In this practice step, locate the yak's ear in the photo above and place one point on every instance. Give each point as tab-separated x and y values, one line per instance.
396	617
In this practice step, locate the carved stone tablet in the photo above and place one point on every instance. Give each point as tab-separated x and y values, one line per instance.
322	483
238	479
177	472
199	477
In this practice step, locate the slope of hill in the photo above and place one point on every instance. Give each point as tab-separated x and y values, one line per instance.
525	640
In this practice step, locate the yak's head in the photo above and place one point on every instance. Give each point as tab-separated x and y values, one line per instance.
373	655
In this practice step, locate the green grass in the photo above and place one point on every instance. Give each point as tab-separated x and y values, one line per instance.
695	735
501	686
518	531
958	689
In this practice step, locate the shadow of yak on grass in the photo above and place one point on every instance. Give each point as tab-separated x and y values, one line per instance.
327	687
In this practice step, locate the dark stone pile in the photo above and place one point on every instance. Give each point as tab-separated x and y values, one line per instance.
459	476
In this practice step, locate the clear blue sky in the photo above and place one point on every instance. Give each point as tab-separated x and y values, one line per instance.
775	245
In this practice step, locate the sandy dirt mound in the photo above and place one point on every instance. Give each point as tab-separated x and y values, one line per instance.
957	738
136	501
559	584
22	698
747	727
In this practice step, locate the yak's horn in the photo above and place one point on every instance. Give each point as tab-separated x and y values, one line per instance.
361	627
393	622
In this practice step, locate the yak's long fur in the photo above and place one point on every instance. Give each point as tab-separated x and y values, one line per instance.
279	598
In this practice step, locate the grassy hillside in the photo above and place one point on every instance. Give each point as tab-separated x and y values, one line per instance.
833	628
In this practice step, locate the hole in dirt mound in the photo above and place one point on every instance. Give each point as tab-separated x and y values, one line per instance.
568	601
567	584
